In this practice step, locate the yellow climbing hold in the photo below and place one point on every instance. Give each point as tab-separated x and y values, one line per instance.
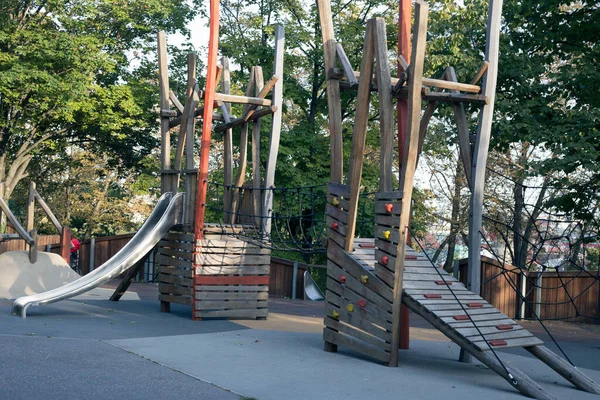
335	313
387	234
350	307
335	201
364	278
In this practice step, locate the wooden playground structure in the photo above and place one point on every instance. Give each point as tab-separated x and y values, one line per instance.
200	265
368	281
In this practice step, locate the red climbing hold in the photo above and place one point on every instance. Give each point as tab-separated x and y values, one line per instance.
432	296
443	283
343	279
504	327
389	207
366	245
334	226
475	305
461	317
497	342
362	303
384	260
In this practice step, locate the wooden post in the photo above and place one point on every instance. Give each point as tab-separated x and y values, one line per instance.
333	93
33	246
165	136
187	120
31	207
408	167
256	181
243	160
404	19
92	253
538	293
359	133
482	144
65	245
277	100
464	141
386	118
228	144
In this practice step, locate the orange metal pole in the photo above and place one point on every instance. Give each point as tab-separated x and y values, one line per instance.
209	97
405	10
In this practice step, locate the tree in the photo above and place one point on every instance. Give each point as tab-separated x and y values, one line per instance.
68	76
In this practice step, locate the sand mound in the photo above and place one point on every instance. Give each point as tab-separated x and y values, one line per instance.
18	277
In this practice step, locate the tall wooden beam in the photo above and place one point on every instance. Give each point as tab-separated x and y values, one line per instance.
227	143
30	207
333	93
209	97
482	144
359	133
243	160
460	117
277	100
256	181
386	113
165	136
408	167
187	122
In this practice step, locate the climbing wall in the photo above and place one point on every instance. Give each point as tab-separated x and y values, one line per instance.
358	311
231	279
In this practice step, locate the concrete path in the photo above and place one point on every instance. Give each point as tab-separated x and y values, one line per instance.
95	349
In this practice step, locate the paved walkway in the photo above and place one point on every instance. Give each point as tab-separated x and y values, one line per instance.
95	349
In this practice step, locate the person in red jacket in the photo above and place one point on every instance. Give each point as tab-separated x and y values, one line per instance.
75	245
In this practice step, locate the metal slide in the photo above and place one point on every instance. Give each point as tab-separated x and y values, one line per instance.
167	213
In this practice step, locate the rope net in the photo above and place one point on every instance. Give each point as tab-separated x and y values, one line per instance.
297	217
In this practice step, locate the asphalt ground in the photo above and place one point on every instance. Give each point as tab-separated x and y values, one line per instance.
92	348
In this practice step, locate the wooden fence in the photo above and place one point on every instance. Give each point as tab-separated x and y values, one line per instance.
568	296
43	241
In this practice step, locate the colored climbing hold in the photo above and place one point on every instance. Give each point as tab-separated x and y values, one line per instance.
432	296
497	342
387	234
350	307
364	279
335	201
443	283
335	313
504	327
343	279
362	303
384	260
475	305
461	317
389	207
334	226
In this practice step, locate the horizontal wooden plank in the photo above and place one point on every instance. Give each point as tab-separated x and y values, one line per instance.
389	248
355	344
388	221
469	324
176	280
393	237
513	334
343	204
455	287
232	259
231	280
184	255
384	274
229	304
383	300
373	307
380	208
467	332
520	342
411	276
187	273
185	300
358	312
358	323
233	269
173	262
356	333
180	236
166	288
222	241
453	305
255	313
252	250
469	311
337	214
388	195
174	245
476	318
431	270
336	226
337	239
338	190
231	288
231	295
356	270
